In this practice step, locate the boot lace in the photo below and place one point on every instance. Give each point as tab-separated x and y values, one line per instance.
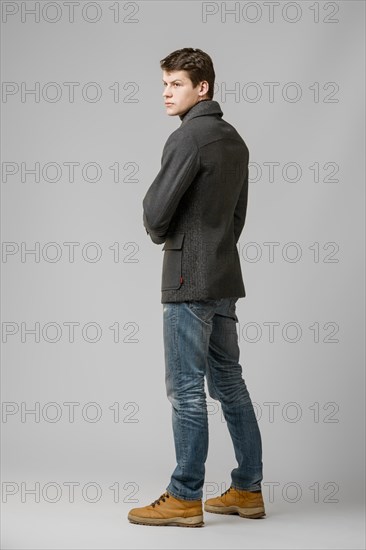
225	492
162	497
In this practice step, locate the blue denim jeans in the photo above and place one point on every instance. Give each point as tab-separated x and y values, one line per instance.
200	339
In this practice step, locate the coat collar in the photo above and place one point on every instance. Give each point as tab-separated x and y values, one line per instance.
204	107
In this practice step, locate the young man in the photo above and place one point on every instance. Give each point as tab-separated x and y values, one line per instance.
197	206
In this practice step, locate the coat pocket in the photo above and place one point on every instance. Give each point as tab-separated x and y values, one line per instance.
172	262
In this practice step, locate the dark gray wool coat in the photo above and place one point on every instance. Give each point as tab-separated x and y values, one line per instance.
197	205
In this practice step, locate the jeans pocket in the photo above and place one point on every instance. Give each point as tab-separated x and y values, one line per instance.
203	309
232	309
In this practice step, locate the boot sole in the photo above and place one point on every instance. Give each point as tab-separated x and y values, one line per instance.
251	513
194	521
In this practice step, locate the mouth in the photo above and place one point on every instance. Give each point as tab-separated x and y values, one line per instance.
168	104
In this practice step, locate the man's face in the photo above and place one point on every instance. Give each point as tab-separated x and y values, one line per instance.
179	94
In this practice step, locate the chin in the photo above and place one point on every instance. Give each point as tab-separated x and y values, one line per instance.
171	111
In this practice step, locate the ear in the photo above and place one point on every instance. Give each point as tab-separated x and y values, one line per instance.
204	88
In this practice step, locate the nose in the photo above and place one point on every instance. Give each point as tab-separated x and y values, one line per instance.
166	92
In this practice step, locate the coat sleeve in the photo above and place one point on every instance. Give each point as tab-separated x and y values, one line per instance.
179	166
241	208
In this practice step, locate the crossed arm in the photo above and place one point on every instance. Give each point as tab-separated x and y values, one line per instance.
179	166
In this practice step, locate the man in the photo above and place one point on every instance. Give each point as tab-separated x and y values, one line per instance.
197	206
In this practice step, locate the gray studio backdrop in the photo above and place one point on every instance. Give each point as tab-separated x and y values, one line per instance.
86	425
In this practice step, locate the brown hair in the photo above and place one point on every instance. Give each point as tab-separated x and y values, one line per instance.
197	63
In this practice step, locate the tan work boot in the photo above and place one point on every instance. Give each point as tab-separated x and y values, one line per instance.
236	501
168	510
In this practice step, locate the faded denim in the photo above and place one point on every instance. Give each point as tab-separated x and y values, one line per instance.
200	339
